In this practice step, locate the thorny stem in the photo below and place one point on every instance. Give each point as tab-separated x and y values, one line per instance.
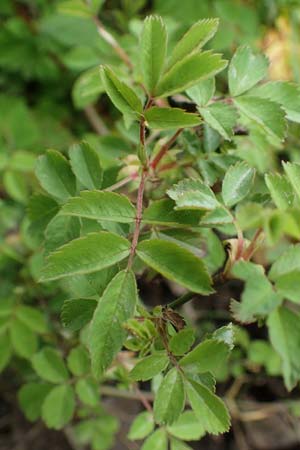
138	218
164	149
252	246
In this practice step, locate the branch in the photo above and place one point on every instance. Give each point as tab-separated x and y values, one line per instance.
164	149
95	120
112	41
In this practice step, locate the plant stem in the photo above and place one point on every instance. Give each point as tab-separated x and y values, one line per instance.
250	250
122	182
164	149
181	300
138	218
112	41
95	120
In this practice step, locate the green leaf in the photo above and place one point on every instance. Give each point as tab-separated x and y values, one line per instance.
280	189
6	350
142	425
49	365
31	397
284	331
87	390
189	71
41	209
86	165
237	183
77	312
285	272
148	367
58	407
267	115
170	399
88	254
245	70
208	356
259	298
285	93
195	38
261	353
170	118
193	194
176	444
182	341
23	339
202	92
75	8
78	361
161	212
107	332
220	117
187	427
102	206
87	88
210	409
15	185
55	175
153	47
156	441
32	318
121	95
61	230
292	171
176	264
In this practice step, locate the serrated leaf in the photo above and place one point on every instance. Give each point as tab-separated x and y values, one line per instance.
58	407
86	166
59	231
220	117
284	331
285	272
195	38
102	206
268	115
41	209
202	92
170	118
176	264
148	367
280	189
55	175
88	254
193	194
170	398
192	69
31	397
156	441
187	427
208	356
162	212
87	390
259	298
245	70
210	409
237	183
121	95
182	341
292	171
32	318
78	361
23	339
107	332
77	312
285	93
153	47
49	365
142	425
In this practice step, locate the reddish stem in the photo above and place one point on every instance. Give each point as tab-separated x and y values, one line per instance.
138	218
164	149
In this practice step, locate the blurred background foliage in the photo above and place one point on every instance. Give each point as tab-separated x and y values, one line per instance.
51	97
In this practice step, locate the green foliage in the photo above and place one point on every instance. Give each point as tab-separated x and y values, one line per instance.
166	180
